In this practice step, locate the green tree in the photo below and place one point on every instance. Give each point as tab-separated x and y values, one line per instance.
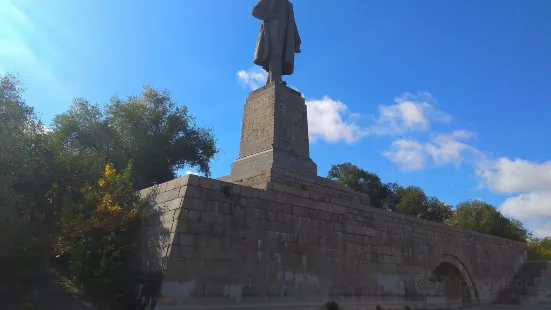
55	186
482	217
539	249
391	199
411	200
159	136
24	180
391	196
150	130
100	235
361	181
436	210
147	135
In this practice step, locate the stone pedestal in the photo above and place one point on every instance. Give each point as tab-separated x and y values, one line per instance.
274	135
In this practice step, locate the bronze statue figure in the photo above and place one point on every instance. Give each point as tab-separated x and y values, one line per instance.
278	39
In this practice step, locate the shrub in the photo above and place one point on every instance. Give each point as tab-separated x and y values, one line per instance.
332	305
539	249
97	235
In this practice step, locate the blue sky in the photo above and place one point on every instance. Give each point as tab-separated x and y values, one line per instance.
453	96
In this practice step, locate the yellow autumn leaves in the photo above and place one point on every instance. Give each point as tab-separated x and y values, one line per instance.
113	199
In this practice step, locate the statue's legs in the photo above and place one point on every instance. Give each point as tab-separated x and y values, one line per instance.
277	36
275	68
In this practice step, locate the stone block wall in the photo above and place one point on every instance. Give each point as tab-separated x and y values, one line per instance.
300	242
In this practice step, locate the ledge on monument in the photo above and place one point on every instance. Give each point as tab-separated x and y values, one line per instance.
269	160
192	185
275	85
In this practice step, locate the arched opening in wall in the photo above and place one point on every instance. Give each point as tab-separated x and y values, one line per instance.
451	282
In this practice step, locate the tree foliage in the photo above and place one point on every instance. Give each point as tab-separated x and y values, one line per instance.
413	201
149	137
150	130
436	210
482	217
99	236
24	167
58	196
539	249
473	215
391	196
361	181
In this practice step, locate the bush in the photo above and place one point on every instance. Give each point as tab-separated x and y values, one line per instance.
539	249
332	305
97	235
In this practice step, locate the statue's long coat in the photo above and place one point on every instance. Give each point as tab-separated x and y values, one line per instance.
264	10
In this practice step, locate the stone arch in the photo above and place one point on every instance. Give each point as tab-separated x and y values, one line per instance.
456	279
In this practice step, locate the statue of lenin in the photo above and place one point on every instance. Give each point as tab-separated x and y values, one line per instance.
278	39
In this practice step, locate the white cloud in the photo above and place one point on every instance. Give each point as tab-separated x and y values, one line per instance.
532	205
253	78
409	113
330	120
515	176
46	129
180	173
542	231
446	148
442	149
531	181
409	155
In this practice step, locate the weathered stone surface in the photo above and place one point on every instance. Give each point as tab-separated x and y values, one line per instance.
281	245
274	136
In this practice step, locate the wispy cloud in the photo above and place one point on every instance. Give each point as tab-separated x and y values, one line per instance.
411	112
441	149
531	205
529	182
409	155
180	173
504	175
46	129
252	78
331	121
543	230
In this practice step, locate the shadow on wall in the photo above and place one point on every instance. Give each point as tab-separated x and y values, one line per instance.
530	282
155	240
452	283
